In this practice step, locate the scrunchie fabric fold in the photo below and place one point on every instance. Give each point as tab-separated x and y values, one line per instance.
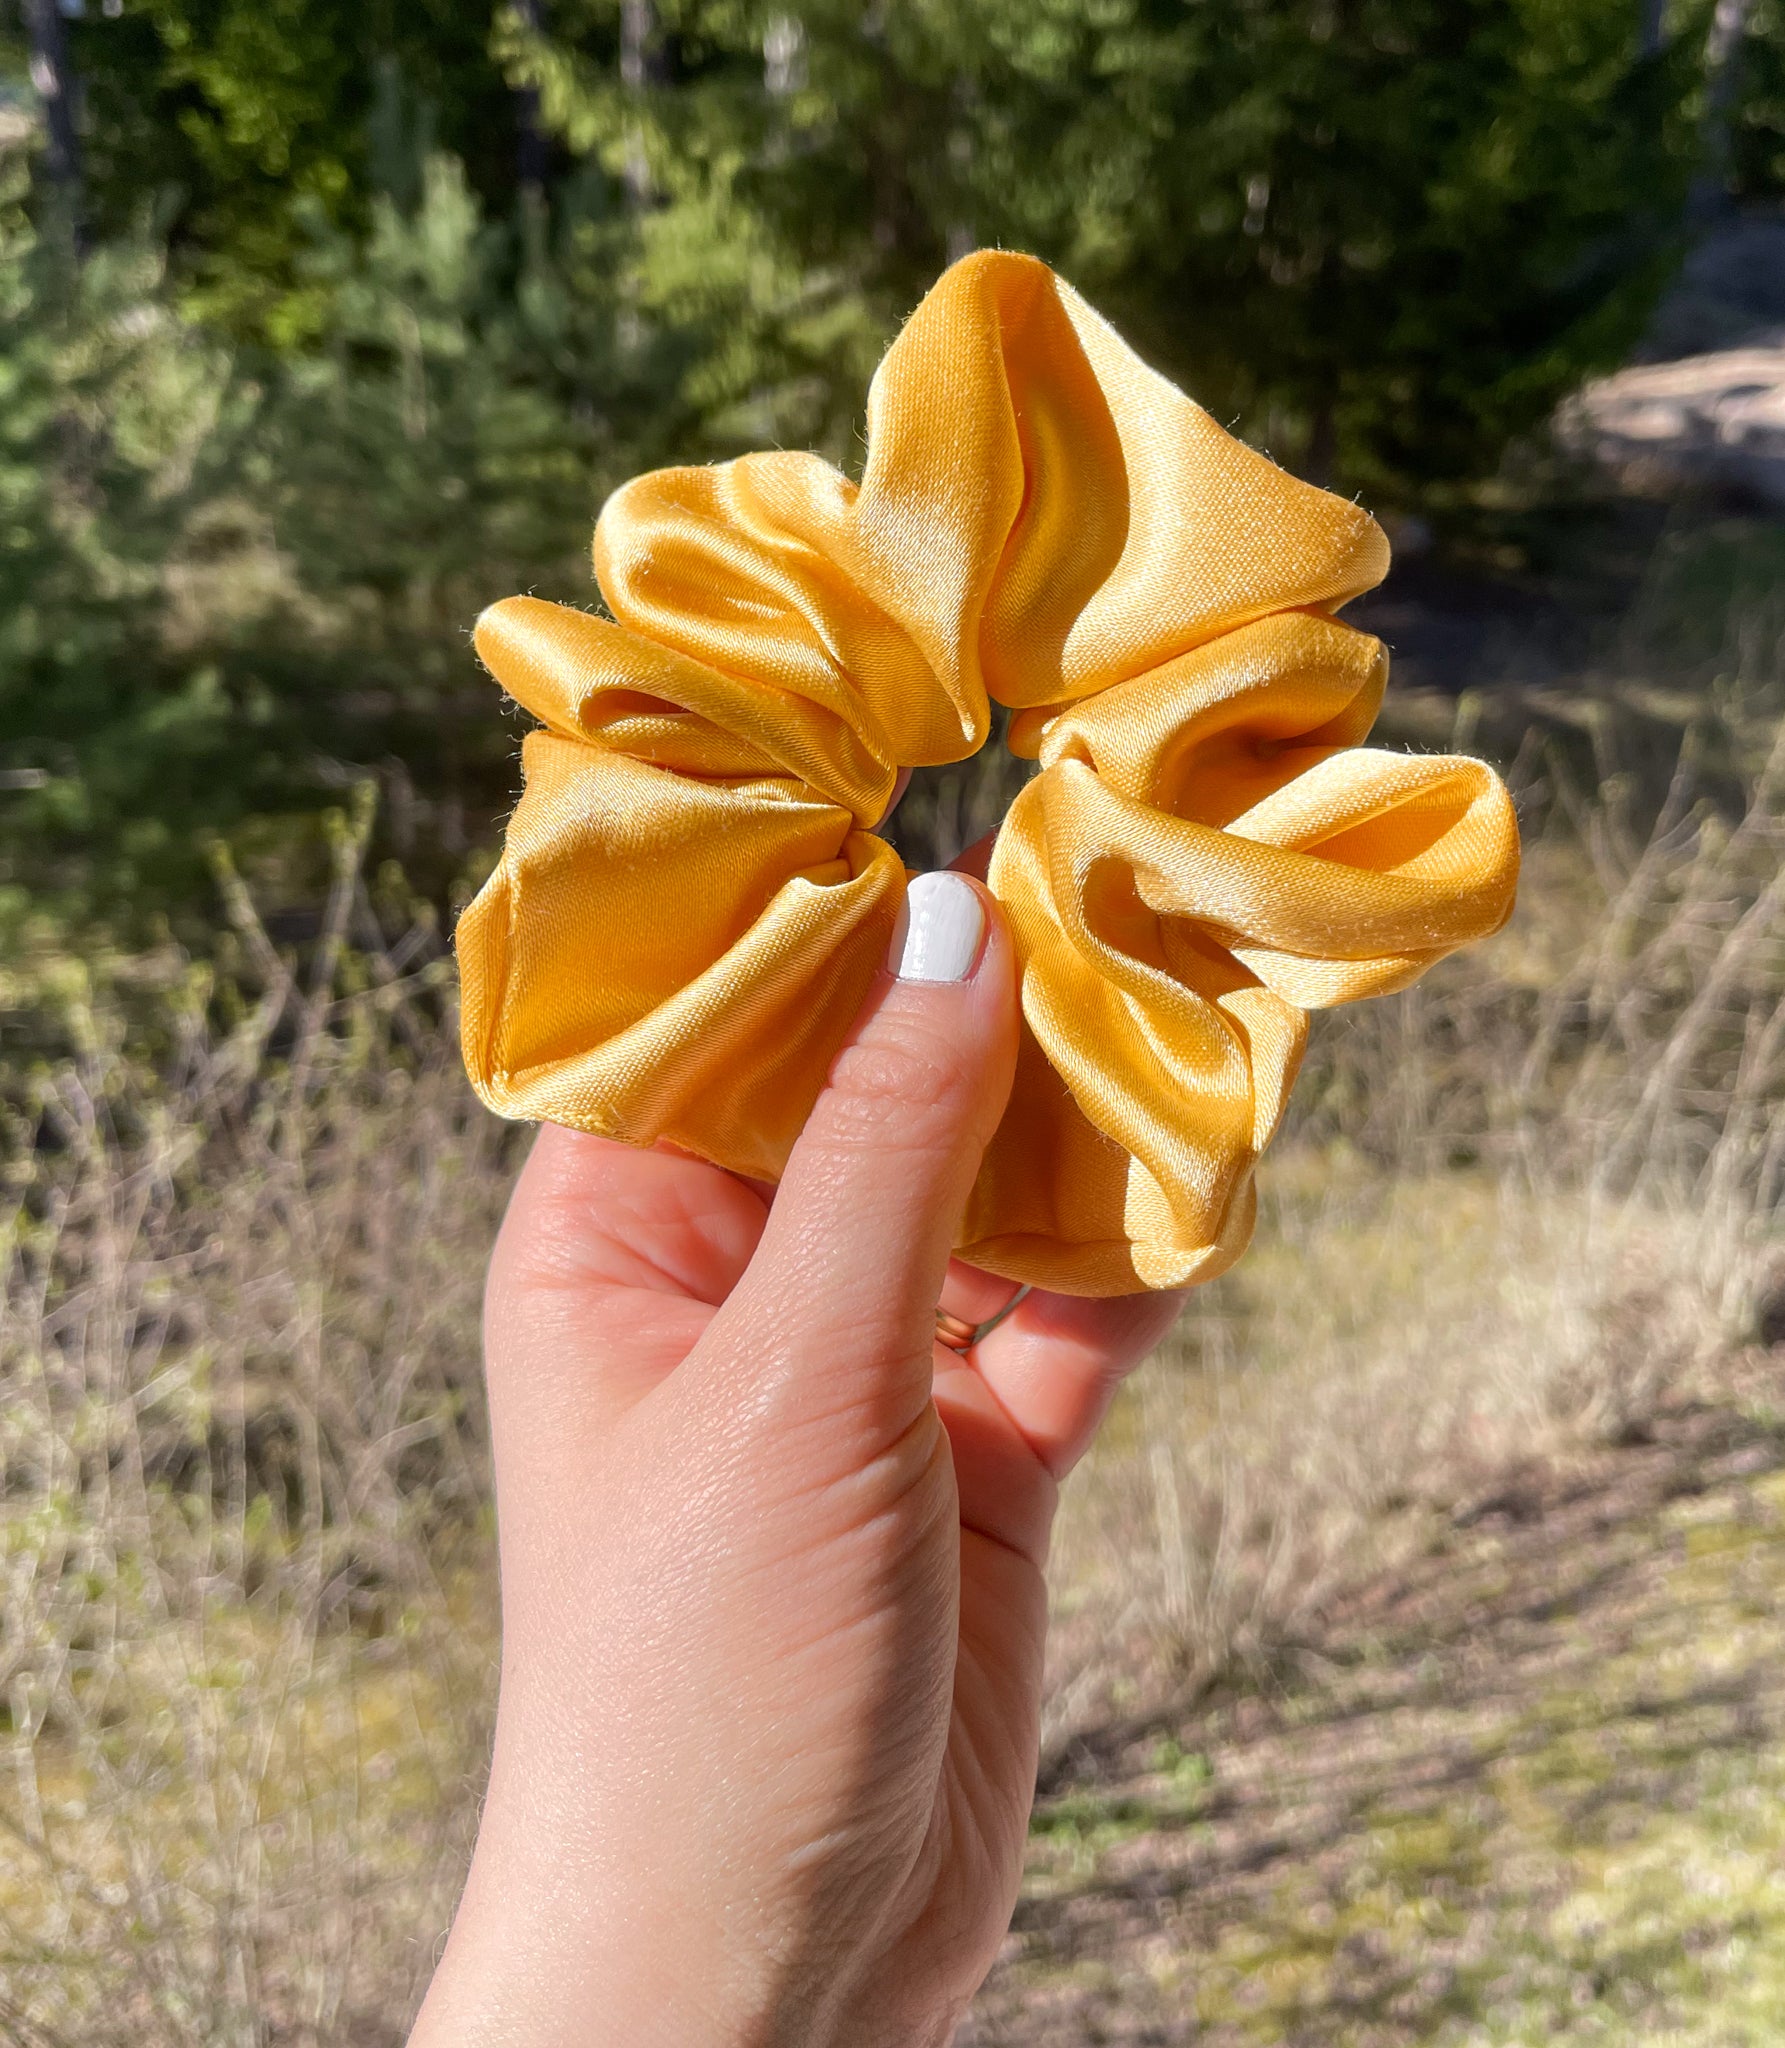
691	906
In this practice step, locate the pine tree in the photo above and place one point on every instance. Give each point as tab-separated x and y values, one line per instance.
1382	235
238	119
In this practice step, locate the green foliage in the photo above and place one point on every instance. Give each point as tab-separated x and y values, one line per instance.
232	583
1384	235
329	379
108	412
1397	230
1757	140
244	117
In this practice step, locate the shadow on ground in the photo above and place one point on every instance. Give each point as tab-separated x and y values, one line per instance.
1531	1790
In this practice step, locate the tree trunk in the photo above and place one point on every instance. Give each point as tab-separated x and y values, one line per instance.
53	76
1654	27
529	144
641	67
1722	74
1323	444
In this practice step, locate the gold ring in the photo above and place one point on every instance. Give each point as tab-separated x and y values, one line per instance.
951	1331
959	1335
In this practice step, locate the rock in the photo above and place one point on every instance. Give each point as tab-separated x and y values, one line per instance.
1712	421
1703	404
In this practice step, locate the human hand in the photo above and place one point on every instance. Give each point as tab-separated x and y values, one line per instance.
772	1560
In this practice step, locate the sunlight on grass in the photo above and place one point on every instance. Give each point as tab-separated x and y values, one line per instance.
247	1620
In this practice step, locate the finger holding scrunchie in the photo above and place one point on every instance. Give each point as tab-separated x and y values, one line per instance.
692	904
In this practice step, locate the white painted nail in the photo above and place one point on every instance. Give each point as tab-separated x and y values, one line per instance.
938	937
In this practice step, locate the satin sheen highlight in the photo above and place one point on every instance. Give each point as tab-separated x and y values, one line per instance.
690	906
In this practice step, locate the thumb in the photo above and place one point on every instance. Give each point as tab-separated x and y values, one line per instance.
842	1290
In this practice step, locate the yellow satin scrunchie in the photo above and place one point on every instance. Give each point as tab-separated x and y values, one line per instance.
690	908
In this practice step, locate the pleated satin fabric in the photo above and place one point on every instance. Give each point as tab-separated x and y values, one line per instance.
691	904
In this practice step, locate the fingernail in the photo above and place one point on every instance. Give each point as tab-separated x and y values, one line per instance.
938	937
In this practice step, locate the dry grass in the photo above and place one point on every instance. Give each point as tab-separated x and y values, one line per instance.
1519	1205
246	1620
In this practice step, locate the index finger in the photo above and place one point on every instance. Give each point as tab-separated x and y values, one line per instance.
609	1266
1056	1361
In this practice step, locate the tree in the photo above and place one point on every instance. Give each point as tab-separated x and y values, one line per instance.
241	118
1755	109
1394	232
232	582
1384	235
54	81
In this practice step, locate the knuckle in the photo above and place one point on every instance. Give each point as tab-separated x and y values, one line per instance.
891	1083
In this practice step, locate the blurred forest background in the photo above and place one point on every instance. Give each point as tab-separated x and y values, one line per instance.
326	323
1416	1670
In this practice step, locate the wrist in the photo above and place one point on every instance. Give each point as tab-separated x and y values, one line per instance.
536	1965
557	1966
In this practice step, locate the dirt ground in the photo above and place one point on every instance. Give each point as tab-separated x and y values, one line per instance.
1531	1790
